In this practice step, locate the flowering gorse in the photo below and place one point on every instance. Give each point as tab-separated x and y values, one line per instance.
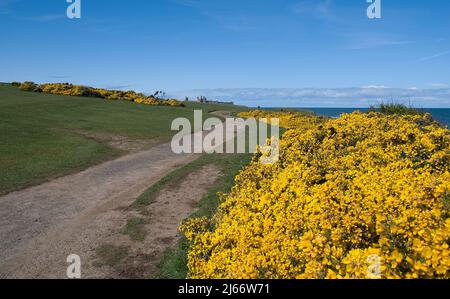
85	91
345	194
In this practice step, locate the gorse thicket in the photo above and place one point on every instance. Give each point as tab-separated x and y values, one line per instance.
362	196
84	91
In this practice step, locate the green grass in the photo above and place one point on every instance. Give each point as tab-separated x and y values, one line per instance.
216	107
395	109
174	263
302	111
135	229
40	137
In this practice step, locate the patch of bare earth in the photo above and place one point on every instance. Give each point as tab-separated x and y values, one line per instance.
120	142
223	114
122	257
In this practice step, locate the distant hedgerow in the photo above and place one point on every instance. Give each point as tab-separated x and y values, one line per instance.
85	91
30	86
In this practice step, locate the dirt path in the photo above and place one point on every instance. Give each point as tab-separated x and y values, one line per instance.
42	225
121	257
76	214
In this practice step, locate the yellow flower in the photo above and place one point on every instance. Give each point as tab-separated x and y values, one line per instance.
363	196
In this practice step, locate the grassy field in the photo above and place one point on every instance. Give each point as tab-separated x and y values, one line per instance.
41	139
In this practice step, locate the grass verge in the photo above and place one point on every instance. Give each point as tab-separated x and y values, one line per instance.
174	262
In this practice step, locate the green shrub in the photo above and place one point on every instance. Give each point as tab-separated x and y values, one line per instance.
86	91
30	86
395	109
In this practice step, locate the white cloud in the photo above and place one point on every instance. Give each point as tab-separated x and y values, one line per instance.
438	85
371	43
5	6
45	18
437	55
375	86
4	3
325	97
315	8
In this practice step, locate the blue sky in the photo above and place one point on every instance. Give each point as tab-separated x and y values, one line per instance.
319	52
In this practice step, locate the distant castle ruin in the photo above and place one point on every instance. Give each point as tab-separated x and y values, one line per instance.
203	99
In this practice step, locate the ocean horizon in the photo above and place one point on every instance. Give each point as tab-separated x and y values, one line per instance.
442	115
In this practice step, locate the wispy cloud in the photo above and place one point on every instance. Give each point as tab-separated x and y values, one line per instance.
437	55
5	6
325	97
4	3
115	87
232	17
316	8
371	43
45	18
58	77
438	85
190	3
240	22
375	86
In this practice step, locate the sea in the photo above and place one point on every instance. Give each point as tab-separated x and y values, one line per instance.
442	115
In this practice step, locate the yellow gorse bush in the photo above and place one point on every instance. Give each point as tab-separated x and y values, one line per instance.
362	196
85	91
